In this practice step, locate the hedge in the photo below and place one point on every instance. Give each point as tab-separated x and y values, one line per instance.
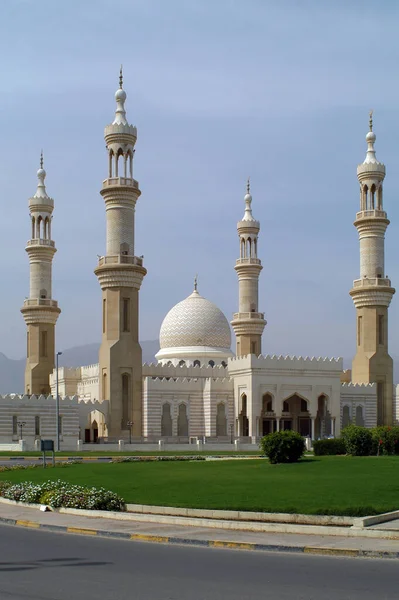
326	447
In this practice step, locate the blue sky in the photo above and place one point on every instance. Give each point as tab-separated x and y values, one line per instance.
219	90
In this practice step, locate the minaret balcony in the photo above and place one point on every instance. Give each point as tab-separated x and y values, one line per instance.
367	214
40	242
121	181
372	281
248	261
41	302
120	259
248	315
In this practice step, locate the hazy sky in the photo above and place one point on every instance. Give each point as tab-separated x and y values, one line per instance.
219	90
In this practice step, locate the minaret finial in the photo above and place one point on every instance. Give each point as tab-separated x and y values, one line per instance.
248	186
121	77
371	120
41	159
195	282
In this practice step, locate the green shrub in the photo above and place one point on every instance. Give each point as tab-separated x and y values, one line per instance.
358	440
283	446
326	447
385	440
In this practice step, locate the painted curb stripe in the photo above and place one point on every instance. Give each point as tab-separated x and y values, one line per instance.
140	537
32	524
82	531
332	551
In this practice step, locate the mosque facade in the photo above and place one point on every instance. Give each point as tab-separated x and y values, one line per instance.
198	386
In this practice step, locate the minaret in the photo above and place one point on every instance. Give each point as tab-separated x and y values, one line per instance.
372	292
39	310
248	323
120	274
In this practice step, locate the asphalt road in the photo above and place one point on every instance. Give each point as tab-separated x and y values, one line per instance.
36	565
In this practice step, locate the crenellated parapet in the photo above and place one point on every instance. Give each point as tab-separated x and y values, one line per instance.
285	363
179	372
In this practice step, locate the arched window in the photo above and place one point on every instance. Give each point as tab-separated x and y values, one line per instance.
166	421
104	390
372	198
304	406
346	417
197	363
242	249
221	420
39	227
359	416
33	228
286	407
366	197
182	363
110	156
182	421
118	155
224	363
125	399
211	363
267	403
244	404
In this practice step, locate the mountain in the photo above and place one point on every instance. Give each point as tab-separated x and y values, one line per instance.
12	371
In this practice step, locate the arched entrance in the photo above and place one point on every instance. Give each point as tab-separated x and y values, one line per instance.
96	427
243	417
268	422
296	415
323	418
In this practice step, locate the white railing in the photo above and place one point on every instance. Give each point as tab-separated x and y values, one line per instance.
120	259
364	214
39	242
370	281
111	181
249	315
248	261
40	302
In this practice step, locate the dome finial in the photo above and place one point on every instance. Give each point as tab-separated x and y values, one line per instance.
196	283
41	176
370	139
120	97
248	186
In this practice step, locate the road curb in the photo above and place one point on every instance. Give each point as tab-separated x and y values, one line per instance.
230	545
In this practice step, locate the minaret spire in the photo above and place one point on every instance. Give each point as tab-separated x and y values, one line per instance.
40	311
372	292
248	323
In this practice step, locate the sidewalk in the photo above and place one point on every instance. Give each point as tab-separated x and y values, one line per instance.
197	536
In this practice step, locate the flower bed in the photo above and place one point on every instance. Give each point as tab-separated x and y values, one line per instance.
124	459
60	493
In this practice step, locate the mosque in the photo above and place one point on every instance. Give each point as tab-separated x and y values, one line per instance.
199	387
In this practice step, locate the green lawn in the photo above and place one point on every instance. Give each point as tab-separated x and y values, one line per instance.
87	453
322	485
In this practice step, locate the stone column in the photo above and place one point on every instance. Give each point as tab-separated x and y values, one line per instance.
313	428
277	423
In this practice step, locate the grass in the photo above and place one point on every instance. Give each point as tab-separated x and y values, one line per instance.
322	485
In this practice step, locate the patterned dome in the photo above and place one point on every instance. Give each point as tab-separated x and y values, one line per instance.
195	322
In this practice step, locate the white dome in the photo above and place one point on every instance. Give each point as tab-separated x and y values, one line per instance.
195	322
